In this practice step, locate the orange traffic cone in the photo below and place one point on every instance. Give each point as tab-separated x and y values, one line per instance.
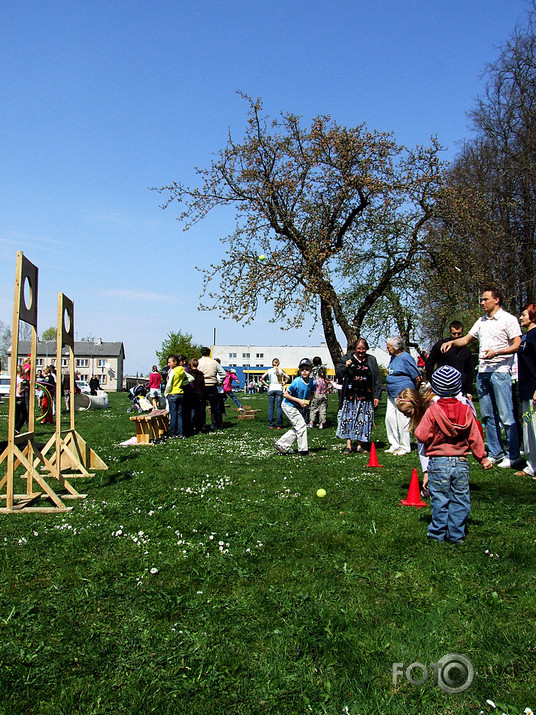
414	495
373	459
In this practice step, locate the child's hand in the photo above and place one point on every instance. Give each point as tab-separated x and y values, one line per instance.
486	464
424	480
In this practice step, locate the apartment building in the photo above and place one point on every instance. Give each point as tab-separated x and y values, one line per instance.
103	359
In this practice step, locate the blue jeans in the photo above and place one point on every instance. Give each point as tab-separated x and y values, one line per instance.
448	481
495	395
234	398
274	400
175	415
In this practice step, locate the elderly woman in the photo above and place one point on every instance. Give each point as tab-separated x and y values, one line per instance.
402	372
360	396
526	358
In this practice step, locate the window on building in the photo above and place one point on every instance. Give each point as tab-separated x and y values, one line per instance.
259	355
64	362
39	362
82	362
232	355
259	364
103	379
245	355
101	362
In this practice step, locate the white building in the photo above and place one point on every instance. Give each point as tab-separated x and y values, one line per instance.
102	359
251	361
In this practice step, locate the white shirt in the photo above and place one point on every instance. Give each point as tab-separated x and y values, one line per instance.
496	333
275	384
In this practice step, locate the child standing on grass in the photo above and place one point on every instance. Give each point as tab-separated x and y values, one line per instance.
274	380
448	430
319	403
295	402
177	379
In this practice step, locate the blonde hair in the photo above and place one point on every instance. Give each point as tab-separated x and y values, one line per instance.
414	404
277	373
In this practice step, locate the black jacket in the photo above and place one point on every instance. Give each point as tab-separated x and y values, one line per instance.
342	376
460	358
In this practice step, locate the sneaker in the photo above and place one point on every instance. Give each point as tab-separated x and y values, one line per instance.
310	424
401	452
320	426
273	427
278	427
507	464
280	449
496	460
392	449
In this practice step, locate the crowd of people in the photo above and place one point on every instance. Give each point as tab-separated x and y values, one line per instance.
435	401
189	387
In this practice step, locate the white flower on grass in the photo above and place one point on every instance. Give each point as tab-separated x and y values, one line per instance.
154	570
491	704
35	533
527	711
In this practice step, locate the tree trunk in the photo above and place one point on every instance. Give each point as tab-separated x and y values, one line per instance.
333	344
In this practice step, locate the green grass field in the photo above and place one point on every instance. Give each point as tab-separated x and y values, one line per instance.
206	576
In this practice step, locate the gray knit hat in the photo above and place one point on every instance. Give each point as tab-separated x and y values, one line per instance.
446	381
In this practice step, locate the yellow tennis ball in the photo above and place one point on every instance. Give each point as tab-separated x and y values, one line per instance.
321	493
262	257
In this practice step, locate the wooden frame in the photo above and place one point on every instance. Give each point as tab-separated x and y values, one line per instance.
29	456
71	450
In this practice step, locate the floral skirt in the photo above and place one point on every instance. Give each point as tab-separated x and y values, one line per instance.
357	420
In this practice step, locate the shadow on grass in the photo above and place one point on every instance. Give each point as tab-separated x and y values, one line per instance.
117	477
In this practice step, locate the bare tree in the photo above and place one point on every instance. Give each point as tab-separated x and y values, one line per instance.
338	215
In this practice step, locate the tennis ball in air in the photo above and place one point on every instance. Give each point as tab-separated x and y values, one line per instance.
321	493
262	257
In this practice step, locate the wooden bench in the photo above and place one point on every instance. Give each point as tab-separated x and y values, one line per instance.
151	426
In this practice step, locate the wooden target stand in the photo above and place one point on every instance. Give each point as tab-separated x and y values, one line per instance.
21	449
71	452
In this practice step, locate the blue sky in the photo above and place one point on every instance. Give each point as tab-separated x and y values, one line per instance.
102	100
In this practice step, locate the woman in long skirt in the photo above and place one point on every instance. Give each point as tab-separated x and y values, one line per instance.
361	393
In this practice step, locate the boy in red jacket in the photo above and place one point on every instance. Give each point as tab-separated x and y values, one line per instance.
448	431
